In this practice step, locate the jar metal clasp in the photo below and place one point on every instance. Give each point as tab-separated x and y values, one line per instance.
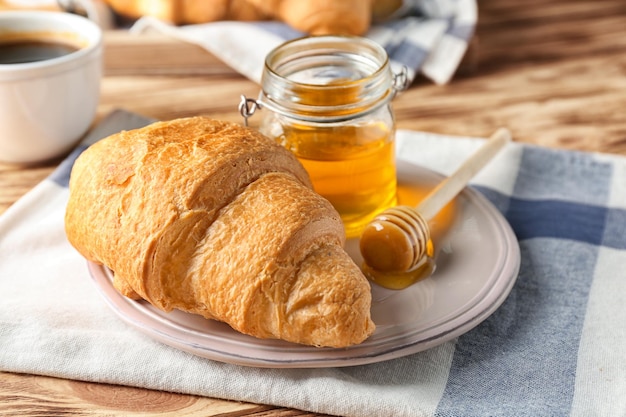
247	107
401	80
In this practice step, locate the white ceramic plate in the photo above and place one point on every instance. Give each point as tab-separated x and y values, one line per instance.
477	265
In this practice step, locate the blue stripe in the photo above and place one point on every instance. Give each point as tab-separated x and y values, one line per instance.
61	175
557	219
561	220
463	32
409	54
546	174
562	195
521	361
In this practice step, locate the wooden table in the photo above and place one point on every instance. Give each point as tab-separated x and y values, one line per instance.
554	72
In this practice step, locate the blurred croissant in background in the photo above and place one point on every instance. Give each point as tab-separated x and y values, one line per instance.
316	17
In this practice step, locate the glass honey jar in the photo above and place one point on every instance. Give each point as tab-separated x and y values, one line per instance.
328	100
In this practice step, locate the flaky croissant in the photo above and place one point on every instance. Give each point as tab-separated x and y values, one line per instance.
318	17
215	219
188	11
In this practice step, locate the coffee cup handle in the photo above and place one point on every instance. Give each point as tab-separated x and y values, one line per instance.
95	10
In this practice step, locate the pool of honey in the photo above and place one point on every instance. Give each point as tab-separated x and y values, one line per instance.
353	166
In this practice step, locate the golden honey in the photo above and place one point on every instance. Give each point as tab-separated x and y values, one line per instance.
352	166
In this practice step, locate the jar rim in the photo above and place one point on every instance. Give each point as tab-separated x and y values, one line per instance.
352	75
359	44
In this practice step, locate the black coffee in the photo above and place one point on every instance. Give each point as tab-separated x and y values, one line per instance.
23	51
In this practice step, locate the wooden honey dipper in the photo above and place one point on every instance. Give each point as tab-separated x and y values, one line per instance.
396	241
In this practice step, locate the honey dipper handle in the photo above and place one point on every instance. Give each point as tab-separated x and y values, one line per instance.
451	186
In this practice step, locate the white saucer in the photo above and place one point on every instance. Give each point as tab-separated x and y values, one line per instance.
477	265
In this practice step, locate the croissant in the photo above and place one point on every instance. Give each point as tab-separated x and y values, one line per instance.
318	17
188	11
215	219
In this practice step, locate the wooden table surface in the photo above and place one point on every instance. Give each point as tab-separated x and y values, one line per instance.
554	72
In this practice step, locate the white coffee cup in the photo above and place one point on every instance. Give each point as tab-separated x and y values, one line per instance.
47	105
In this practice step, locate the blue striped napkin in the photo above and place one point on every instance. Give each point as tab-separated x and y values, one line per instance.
555	347
427	36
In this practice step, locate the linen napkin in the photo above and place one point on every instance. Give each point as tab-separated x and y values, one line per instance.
427	36
555	347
